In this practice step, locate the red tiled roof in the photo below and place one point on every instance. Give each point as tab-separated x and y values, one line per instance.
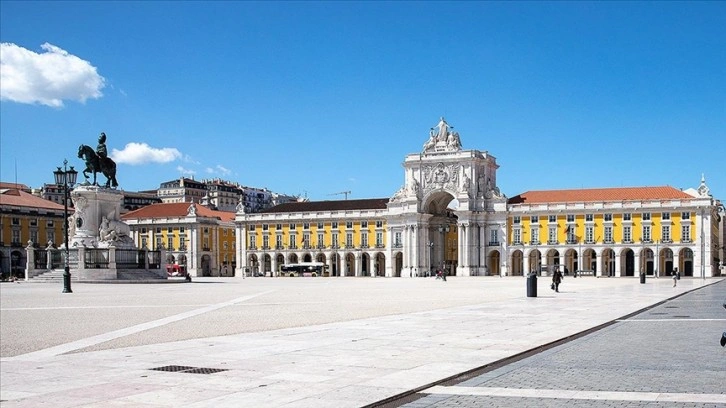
337	205
163	210
14	186
19	198
600	194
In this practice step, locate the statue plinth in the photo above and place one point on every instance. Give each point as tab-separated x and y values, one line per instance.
95	222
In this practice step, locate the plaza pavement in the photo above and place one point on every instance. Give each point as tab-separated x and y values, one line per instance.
342	342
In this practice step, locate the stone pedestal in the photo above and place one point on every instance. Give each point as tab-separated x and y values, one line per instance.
92	205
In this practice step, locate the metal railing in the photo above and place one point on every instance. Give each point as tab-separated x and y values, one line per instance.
96	258
130	259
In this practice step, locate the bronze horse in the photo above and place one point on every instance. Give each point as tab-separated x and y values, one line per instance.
95	165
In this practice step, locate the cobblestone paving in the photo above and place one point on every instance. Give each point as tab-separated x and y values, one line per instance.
670	348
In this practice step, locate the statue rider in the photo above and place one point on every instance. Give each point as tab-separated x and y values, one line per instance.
101	149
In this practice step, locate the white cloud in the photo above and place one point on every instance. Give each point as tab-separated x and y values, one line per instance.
185	172
141	153
47	78
223	170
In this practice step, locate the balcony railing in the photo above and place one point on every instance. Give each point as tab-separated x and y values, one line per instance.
553	242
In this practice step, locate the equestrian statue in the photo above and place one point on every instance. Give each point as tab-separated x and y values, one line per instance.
98	162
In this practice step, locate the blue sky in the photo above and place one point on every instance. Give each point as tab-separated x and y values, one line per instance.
315	98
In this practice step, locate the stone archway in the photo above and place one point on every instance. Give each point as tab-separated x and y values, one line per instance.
448	187
517	263
379	264
398	264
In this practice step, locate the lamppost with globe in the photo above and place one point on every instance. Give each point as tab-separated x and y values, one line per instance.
66	178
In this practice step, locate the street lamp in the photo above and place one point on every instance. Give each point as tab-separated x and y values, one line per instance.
66	178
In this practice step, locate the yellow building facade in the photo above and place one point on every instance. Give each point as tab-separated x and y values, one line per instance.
196	239
25	218
450	215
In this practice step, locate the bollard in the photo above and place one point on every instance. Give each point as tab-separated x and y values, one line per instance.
532	285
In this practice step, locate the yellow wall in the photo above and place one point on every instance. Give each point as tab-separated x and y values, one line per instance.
313	231
636	224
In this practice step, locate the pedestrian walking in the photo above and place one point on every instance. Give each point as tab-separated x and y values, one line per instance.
556	280
675	276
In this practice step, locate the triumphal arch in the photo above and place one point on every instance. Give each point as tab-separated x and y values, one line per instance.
449	214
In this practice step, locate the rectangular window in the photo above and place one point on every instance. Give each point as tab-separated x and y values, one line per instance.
158	230
570	232
646	216
292	227
253	241
534	233
349	240
665	233
608	235
534	219
170	243
646	233
516	220
364	224
349	224
16	236
265	242
321	242
570	218
306	226
364	240
320	225
182	243
33	223
397	240
291	242
608	217
589	234
686	233
16	221
517	236
50	236
627	217
666	216
49	224
334	225
206	244
169	230
589	217
265	227
306	240
144	242
379	224
278	227
158	242
34	236
379	239
181	230
552	236
552	218
494	237
278	241
627	236
334	240
686	216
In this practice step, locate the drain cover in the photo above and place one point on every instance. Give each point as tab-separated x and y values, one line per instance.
204	370
172	368
189	369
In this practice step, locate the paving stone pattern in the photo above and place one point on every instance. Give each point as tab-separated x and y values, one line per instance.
666	349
